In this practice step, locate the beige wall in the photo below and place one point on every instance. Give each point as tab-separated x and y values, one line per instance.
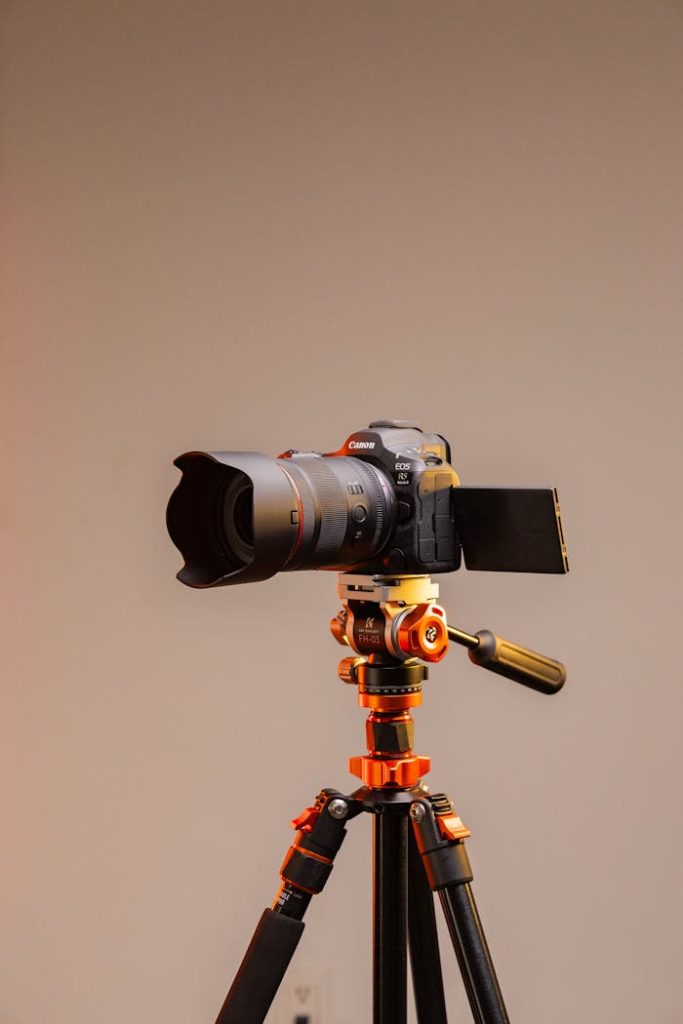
259	225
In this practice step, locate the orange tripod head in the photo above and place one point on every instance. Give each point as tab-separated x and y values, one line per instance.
395	625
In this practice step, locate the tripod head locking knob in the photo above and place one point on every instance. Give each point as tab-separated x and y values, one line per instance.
348	670
422	633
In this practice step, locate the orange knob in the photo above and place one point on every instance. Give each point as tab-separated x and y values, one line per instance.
423	633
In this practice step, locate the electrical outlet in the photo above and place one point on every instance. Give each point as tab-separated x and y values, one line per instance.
302	997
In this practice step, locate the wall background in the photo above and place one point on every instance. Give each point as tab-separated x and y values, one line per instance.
260	225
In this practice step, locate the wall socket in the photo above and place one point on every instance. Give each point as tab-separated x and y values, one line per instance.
303	996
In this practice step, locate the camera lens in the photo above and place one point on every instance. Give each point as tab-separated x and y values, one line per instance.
240	516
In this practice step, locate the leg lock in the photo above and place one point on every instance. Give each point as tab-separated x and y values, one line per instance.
439	835
320	833
305	871
449	865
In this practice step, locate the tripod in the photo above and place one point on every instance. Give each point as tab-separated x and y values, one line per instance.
394	625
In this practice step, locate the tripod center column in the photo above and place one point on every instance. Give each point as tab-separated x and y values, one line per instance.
390	691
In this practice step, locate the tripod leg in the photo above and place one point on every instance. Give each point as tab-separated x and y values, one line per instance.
390	965
262	969
424	943
449	873
304	872
469	941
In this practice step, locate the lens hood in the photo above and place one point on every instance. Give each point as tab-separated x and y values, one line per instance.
233	517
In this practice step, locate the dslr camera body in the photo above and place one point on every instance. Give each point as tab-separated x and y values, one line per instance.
387	503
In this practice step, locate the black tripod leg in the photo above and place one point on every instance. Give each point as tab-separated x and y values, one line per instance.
473	953
262	969
423	942
390	965
304	872
449	873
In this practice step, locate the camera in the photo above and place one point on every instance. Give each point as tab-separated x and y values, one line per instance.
388	503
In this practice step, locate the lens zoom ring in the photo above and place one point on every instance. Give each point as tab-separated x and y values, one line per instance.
329	490
331	495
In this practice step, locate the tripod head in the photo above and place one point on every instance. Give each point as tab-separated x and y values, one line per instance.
395	625
397	618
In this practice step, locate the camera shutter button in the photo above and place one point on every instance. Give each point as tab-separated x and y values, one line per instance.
359	513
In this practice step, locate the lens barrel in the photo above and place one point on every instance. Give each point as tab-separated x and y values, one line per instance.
238	517
346	509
